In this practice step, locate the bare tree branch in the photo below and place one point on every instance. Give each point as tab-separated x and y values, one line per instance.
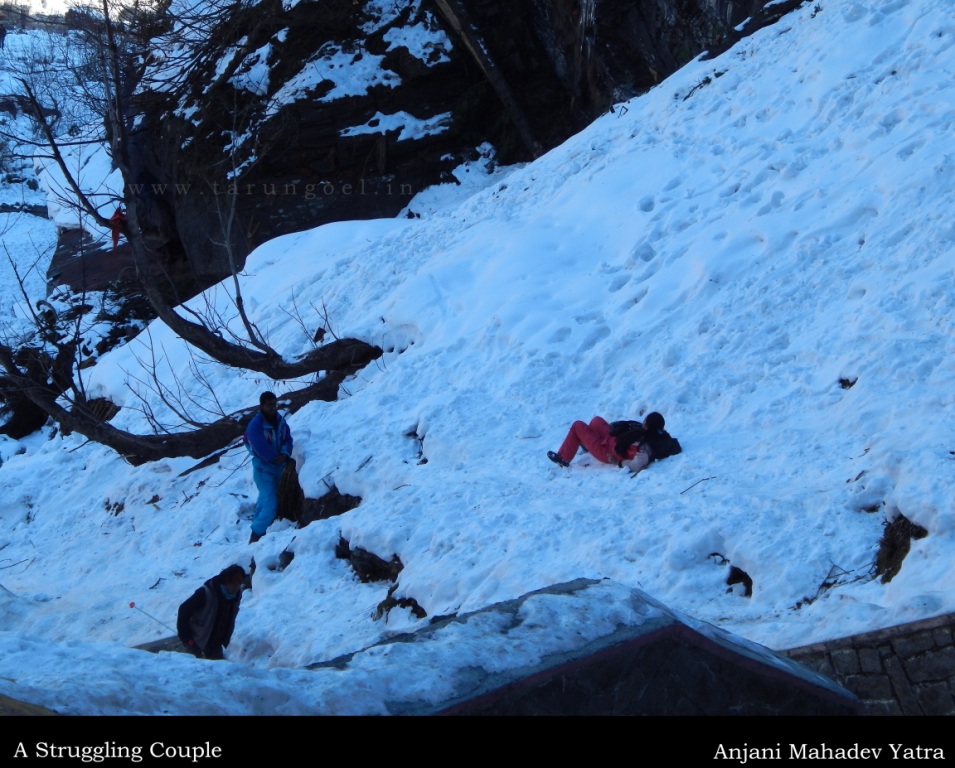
138	449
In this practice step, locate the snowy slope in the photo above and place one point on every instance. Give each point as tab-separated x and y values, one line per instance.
725	250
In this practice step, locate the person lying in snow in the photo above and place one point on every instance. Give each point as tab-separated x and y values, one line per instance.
630	444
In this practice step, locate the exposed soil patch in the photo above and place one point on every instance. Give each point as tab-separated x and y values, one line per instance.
385	606
894	545
739	576
735	576
367	565
332	504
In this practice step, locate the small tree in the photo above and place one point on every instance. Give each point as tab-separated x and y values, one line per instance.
112	40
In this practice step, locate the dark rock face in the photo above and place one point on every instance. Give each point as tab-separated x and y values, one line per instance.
271	132
275	133
19	417
606	51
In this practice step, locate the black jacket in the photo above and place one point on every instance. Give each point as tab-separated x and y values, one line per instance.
660	443
208	624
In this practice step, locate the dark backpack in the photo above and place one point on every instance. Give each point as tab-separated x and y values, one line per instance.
662	444
627	433
618	428
665	445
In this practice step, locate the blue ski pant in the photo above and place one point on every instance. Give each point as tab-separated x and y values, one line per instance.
266	477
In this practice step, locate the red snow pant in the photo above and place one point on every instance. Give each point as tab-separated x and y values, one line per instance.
595	437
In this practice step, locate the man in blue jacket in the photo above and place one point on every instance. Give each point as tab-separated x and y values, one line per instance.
269	440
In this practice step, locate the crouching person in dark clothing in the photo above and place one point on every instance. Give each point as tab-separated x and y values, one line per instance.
207	619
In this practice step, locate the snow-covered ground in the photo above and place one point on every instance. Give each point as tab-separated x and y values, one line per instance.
726	250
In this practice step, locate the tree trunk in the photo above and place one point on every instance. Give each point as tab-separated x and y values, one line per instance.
139	449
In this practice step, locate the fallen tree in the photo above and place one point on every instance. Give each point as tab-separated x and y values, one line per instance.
83	418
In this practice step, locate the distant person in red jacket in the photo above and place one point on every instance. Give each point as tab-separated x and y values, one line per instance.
630	444
117	222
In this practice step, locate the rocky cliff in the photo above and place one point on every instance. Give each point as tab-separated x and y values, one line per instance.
292	114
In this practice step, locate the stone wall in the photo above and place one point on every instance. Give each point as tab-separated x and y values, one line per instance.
903	670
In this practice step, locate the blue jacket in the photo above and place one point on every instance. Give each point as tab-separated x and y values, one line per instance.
265	441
